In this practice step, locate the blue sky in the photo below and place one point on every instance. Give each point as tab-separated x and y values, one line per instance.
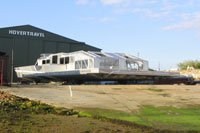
165	31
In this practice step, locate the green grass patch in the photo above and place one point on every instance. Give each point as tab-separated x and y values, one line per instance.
113	114
170	118
155	90
116	88
183	118
85	114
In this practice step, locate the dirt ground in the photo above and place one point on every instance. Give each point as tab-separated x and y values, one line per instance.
128	98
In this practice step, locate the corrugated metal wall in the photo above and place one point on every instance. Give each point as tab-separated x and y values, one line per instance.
4	73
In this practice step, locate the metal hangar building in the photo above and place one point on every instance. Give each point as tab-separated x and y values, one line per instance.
24	44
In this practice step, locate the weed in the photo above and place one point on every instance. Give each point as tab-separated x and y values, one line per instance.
84	114
116	88
155	90
101	93
165	95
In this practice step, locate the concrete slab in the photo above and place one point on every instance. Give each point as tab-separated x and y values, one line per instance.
126	98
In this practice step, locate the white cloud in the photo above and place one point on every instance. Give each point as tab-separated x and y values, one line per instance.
170	7
192	21
122	10
109	2
81	2
185	16
145	2
178	13
106	19
150	13
173	5
142	10
88	19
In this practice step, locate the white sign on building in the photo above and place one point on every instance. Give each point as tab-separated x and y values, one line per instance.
26	33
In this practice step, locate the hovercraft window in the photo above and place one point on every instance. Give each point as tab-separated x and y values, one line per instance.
43	62
84	64
66	60
55	59
48	61
61	60
81	64
77	64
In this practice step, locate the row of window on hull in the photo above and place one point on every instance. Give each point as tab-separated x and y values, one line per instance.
63	60
81	64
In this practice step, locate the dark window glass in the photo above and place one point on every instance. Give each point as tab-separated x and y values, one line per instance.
43	62
61	60
66	60
48	61
55	59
